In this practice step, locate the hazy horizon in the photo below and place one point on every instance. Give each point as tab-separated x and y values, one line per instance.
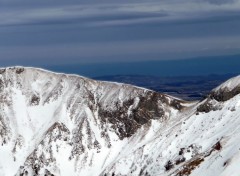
203	66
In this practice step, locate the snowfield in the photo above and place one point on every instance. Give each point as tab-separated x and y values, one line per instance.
58	124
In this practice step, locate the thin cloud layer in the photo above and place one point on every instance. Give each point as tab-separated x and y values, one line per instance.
35	32
115	13
220	2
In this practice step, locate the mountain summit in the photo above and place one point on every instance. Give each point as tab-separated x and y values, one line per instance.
58	124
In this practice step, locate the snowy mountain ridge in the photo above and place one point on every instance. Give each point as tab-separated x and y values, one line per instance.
58	124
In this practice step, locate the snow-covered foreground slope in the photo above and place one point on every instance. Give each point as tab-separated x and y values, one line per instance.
57	124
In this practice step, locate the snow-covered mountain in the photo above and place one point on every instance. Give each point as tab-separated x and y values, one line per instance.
58	124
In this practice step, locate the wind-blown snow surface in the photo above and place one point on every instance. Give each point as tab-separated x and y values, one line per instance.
230	84
69	125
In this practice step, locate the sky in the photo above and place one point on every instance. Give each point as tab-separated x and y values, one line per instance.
79	32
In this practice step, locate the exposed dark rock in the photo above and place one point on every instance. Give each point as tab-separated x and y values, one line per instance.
48	173
3	132
35	161
209	105
205	107
176	104
189	167
60	128
224	94
220	95
2	70
225	163
149	107
181	152
217	146
19	70
35	100
1	85
169	165
36	169
180	160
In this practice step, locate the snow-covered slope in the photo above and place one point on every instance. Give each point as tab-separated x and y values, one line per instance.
230	84
58	124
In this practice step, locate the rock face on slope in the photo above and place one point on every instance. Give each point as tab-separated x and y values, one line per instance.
227	90
222	93
57	124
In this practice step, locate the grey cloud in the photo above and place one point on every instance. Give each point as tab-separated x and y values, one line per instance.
115	50
71	31
220	2
113	13
70	14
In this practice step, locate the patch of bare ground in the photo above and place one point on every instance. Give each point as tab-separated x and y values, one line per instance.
189	167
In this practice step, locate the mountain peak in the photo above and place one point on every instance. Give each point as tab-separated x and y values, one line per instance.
59	124
227	90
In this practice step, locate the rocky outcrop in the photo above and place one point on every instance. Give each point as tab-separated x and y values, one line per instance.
224	94
133	113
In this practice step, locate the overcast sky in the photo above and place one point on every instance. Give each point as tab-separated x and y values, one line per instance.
84	31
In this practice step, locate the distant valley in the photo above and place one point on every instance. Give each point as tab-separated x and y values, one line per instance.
185	87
